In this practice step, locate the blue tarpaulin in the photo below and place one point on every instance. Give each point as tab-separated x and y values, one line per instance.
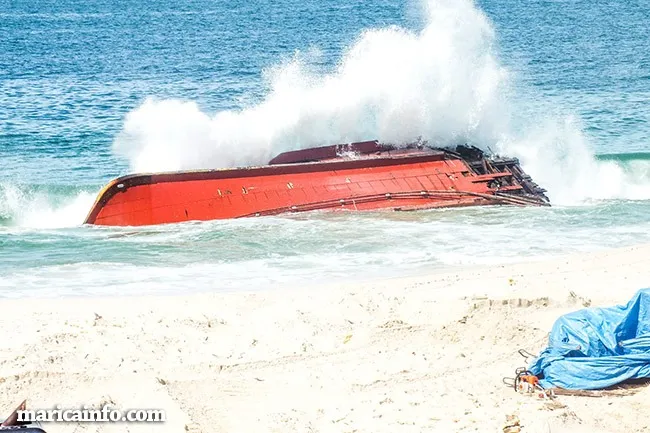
596	348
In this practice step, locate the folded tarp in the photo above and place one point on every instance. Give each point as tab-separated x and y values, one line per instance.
596	348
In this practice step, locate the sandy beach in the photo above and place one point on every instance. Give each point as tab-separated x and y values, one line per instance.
424	353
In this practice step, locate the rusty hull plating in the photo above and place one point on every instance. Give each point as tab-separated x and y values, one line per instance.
358	176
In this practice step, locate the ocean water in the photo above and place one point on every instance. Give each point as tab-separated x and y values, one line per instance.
90	90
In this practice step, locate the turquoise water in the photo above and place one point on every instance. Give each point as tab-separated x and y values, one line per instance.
93	90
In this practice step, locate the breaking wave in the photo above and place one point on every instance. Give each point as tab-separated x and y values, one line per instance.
624	157
556	153
43	207
443	83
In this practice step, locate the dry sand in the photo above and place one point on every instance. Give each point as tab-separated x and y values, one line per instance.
414	354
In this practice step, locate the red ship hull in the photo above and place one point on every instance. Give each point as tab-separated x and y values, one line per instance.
376	177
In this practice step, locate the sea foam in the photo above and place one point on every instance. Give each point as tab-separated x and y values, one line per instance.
38	208
443	83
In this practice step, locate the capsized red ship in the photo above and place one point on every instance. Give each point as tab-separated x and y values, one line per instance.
356	177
